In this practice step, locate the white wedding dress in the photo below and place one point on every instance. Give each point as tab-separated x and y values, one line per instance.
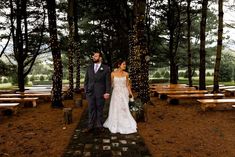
120	119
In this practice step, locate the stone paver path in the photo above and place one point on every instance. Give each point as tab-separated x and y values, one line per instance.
104	144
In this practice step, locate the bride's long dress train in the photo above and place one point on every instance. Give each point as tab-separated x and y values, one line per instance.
120	119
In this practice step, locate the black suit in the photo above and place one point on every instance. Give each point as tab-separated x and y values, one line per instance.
96	85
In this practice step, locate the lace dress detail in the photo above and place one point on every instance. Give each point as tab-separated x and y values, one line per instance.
120	119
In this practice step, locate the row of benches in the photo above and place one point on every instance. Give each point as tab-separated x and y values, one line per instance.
176	92
12	100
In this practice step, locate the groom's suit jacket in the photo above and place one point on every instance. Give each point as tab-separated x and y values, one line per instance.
99	83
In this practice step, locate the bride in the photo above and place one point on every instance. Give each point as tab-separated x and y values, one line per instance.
120	119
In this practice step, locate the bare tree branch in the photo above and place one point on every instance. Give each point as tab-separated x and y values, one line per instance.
4	48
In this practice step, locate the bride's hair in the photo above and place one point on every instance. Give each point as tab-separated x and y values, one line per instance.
118	63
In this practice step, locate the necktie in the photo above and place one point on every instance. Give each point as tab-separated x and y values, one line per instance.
96	67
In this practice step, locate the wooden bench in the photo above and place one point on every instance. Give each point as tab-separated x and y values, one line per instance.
212	103
210	87
7	91
11	106
155	90
33	100
229	92
174	99
163	94
226	87
25	95
175	88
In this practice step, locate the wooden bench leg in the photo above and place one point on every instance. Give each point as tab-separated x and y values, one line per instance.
34	103
162	96
173	101
15	110
206	106
155	94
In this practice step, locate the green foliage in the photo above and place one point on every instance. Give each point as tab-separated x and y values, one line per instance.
234	74
181	74
42	78
26	80
6	69
32	78
208	74
5	80
195	74
226	67
13	79
163	73
186	74
157	75
167	74
225	73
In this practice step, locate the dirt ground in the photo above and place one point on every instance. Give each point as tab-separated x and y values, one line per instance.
37	132
171	131
185	131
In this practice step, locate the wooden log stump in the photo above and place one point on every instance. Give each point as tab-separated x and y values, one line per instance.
83	95
68	116
78	102
134	115
145	109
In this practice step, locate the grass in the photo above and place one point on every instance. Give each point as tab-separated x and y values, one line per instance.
6	86
182	80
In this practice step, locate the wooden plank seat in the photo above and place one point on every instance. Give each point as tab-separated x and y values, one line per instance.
155	91
174	89
226	87
33	100
168	87
210	87
229	92
26	95
7	91
212	103
12	106
174	99
163	94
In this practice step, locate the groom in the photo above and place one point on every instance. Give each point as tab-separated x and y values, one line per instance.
97	85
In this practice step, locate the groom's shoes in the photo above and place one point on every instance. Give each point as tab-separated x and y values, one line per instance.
87	130
101	130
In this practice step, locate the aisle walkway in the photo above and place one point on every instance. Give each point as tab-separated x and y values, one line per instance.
104	144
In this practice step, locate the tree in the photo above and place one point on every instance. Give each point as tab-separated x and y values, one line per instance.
27	37
202	68
189	43
56	55
6	69
172	22
141	54
219	48
71	12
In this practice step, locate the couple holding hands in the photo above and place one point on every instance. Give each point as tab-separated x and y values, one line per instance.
97	85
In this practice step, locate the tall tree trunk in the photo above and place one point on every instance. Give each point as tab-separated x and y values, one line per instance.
190	82
202	69
69	94
19	45
171	23
56	55
21	41
219	48
133	62
134	56
141	51
76	48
